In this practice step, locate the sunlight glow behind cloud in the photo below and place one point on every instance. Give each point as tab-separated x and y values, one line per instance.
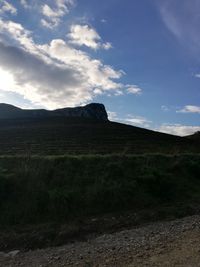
53	74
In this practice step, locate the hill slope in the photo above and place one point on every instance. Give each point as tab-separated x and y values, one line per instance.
195	136
84	130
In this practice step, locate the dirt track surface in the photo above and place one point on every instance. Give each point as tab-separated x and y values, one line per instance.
166	244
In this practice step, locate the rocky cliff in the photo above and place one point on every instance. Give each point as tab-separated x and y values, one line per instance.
91	111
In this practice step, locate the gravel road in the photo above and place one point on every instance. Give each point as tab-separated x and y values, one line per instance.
175	243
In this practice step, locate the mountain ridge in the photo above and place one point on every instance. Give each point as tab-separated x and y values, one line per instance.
94	111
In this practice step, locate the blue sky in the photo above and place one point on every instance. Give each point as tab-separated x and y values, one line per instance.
139	58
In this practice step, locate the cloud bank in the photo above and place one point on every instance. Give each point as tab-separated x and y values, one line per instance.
178	129
190	109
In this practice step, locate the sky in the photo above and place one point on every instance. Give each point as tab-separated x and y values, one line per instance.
140	58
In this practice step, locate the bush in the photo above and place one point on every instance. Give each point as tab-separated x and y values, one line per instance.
40	189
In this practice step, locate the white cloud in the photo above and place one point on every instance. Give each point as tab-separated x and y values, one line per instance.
44	83
54	14
47	24
130	119
49	12
107	46
190	109
96	74
5	7
112	116
134	89
178	129
165	108
182	20
16	31
174	129
138	120
53	74
85	35
24	3
171	21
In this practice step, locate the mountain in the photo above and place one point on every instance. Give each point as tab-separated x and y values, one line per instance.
92	111
81	130
195	136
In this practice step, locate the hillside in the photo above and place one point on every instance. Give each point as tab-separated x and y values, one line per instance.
195	136
65	174
84	130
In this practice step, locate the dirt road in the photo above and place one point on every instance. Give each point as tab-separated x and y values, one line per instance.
166	244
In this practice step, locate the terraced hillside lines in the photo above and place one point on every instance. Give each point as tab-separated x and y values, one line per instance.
59	135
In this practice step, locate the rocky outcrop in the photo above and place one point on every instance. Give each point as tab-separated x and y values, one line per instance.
91	111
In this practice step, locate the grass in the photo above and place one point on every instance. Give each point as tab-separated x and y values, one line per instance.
60	188
58	136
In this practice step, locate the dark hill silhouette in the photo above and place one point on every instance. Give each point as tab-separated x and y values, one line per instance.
82	130
195	136
91	111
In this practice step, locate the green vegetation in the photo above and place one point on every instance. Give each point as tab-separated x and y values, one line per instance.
50	189
75	136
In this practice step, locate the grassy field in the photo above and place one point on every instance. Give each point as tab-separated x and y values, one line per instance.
60	188
75	136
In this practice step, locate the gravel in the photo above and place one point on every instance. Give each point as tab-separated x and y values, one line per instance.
175	243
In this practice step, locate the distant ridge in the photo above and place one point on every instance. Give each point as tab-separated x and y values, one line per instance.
195	136
80	131
94	111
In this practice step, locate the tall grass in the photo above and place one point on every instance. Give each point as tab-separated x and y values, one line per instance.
41	189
